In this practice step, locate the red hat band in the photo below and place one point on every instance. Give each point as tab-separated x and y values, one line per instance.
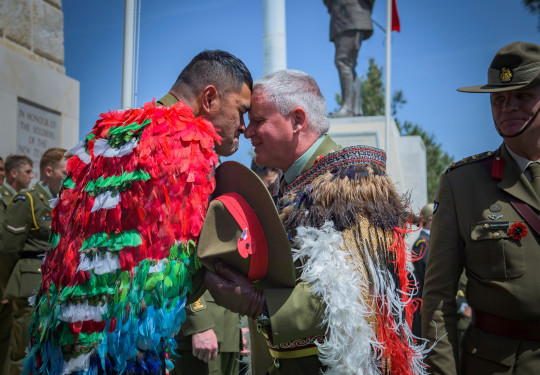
252	241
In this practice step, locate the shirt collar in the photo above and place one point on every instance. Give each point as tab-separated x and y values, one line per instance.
426	230
296	167
522	162
46	188
11	190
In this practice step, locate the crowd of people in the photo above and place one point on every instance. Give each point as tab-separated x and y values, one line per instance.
99	271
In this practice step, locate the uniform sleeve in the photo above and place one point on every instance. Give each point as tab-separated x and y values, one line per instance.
17	224
444	267
198	317
294	313
15	229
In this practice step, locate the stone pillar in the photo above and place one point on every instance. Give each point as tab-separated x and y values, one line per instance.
274	42
38	102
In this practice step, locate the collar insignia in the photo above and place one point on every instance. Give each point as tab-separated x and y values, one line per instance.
506	75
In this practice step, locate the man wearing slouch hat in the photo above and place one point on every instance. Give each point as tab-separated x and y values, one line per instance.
486	222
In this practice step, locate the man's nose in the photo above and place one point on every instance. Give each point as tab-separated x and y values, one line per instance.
510	103
248	133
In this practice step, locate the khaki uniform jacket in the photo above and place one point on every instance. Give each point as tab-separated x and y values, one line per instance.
205	314
26	228
294	313
470	230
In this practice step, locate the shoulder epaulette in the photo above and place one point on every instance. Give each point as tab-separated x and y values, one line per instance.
468	160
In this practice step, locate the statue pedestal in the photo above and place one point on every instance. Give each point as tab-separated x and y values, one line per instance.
406	157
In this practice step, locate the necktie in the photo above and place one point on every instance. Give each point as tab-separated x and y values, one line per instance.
534	169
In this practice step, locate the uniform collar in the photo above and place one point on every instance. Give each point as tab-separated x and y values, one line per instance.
9	188
522	162
426	230
45	189
295	169
168	100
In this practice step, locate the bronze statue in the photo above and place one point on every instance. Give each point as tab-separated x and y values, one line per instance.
350	24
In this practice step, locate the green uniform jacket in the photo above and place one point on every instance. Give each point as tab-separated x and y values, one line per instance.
294	313
26	228
470	230
5	194
205	314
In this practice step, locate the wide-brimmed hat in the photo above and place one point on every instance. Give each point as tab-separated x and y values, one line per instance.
242	227
515	66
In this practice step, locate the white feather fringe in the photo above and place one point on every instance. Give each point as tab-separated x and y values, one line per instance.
101	263
106	201
82	311
102	147
80	151
350	338
351	346
53	202
80	363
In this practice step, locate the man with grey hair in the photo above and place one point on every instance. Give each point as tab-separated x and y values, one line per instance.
343	216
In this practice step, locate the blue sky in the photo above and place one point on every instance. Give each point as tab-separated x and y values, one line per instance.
442	45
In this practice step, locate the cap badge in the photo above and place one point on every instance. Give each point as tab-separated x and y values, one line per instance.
506	75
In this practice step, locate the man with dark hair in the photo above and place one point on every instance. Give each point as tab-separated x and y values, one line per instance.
122	265
216	85
25	231
18	176
209	341
347	312
486	223
2	171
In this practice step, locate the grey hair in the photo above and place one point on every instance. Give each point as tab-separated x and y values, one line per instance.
288	89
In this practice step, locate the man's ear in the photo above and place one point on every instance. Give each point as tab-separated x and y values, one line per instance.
299	119
208	100
48	171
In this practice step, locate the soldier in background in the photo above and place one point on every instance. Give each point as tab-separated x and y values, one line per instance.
420	255
16	174
25	231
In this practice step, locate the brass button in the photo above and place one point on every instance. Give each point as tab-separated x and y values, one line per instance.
474	351
496	235
39	269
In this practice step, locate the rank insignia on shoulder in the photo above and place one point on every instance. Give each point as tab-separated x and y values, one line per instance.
19	198
467	160
197	305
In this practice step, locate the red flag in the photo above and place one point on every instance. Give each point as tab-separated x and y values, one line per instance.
395	18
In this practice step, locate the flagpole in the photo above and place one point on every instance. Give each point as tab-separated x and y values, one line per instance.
388	91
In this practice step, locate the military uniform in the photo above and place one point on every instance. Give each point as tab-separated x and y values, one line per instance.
301	337
475	227
202	315
26	230
6	193
420	252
